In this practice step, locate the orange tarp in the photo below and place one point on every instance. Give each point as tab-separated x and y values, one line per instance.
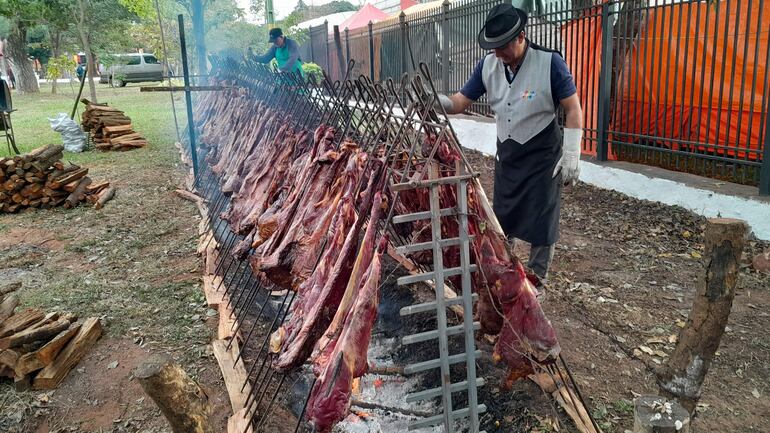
582	52
703	88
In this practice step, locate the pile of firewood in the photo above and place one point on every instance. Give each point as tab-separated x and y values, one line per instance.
38	349
39	179
110	128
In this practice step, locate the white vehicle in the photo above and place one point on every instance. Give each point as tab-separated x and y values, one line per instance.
133	68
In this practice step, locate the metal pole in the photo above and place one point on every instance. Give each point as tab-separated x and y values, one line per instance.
605	85
764	174
165	55
200	41
404	42
371	52
445	46
188	100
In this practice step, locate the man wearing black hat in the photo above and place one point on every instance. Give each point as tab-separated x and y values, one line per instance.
285	52
525	84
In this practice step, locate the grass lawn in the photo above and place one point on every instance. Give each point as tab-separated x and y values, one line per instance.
132	263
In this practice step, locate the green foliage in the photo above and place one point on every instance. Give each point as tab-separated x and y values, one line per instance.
312	69
5	27
57	66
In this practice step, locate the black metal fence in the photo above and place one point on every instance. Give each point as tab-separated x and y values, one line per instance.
678	84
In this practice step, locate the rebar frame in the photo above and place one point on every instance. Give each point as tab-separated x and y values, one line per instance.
387	120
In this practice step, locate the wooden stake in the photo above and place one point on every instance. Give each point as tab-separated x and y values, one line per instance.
182	401
681	378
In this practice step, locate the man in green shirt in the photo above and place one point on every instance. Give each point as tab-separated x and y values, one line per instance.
285	51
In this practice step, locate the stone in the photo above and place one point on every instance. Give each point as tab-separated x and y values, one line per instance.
761	262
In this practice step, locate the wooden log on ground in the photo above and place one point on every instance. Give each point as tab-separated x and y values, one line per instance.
19	321
104	196
48	353
118	128
79	194
181	400
55	372
127	137
653	414
43	333
9	358
67	178
6	288
681	378
7	305
94	188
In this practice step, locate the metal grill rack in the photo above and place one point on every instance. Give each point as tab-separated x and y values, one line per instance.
392	121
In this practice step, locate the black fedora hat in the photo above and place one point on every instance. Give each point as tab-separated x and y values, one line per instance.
504	22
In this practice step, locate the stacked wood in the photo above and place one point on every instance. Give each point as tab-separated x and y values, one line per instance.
110	128
38	348
39	179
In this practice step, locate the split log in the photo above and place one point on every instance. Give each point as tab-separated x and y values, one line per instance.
9	358
104	196
20	321
681	378
44	356
117	128
55	372
234	373
94	188
67	178
7	306
47	353
79	194
10	287
182	401
43	332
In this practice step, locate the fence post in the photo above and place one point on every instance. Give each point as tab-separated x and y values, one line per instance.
347	46
764	172
445	46
605	86
326	44
404	42
371	52
312	51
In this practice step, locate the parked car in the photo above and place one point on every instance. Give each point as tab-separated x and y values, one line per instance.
132	68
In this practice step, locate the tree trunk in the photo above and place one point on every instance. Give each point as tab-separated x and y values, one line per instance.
85	38
16	49
56	46
181	399
682	377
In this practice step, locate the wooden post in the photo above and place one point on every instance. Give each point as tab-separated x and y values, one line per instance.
182	401
653	414
681	378
338	50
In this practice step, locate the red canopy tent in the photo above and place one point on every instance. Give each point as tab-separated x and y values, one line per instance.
363	16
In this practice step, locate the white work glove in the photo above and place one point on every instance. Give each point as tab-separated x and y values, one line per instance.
442	101
570	156
445	103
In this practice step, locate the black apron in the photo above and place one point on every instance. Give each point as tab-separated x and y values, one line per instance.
527	197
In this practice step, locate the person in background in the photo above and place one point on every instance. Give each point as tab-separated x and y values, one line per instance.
525	84
80	71
285	51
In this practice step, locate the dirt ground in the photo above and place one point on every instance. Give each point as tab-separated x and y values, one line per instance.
133	264
621	286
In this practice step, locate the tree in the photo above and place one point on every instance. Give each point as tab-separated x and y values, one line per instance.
98	17
21	15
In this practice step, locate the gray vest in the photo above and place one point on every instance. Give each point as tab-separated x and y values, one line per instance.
525	107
